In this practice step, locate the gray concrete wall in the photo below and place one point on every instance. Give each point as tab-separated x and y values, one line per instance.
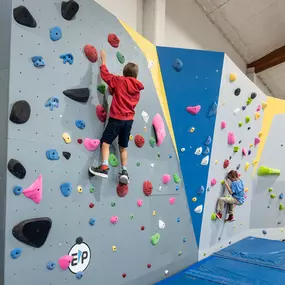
44	130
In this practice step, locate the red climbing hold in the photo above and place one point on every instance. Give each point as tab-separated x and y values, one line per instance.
194	110
79	141
91	53
149	265
91	205
147	188
142	228
226	163
113	40
139	141
35	191
122	190
124	275
101	113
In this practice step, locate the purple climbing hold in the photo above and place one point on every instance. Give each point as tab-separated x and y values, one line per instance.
249	152
243	108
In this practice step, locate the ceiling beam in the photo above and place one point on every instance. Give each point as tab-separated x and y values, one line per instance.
270	60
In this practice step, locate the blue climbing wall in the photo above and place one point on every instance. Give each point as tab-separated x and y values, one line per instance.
197	83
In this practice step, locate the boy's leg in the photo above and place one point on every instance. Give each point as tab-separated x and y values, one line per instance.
220	206
231	202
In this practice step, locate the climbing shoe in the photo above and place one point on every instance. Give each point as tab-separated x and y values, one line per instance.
124	177
231	218
100	171
219	216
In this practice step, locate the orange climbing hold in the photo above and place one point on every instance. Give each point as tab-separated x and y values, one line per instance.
147	188
113	40
139	141
122	190
91	53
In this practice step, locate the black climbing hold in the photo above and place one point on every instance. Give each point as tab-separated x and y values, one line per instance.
79	240
20	112
16	168
230	158
237	92
33	232
23	17
69	9
78	95
249	128
253	95
238	167
239	142
66	154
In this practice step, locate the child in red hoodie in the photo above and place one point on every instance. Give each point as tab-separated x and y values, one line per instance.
126	95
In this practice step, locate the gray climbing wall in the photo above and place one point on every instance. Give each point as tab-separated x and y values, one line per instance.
29	142
217	234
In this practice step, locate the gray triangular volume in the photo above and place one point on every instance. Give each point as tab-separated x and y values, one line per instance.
78	95
33	232
23	17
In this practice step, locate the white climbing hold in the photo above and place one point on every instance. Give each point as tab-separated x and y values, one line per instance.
161	224
205	160
160	188
236	111
198	151
152	165
145	116
198	209
182	149
150	64
166	272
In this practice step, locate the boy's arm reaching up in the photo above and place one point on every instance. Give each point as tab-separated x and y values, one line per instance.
109	78
229	188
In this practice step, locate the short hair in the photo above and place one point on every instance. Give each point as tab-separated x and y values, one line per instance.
233	174
131	70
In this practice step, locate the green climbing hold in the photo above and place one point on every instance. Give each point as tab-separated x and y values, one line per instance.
281	207
91	189
155	239
247	119
270	190
113	203
113	160
272	196
152	141
102	88
138	163
249	100
236	148
223	182
132	216
120	58
213	217
240	124
180	253
158	154
264	171
176	178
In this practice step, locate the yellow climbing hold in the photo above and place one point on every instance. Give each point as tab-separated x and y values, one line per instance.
257	116
154	213
260	134
233	77
223	182
264	105
192	130
251	145
281	230
66	137
216	161
79	189
246	167
245	189
131	137
194	199
114	248
145	129
254	162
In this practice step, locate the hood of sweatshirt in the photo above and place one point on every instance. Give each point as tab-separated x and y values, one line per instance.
133	85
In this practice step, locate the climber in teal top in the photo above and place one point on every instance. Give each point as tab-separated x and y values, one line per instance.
236	189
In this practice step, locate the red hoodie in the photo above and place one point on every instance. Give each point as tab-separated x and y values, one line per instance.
126	94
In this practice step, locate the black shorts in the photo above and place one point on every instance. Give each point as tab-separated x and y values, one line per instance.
117	128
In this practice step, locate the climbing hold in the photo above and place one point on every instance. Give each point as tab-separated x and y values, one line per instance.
172	200
198	151
139	141
201	190
180	253
176	178
145	116
208	141
52	102
245	189
147	188
213	110
102	88
253	95
20	112
194	199
52	154
113	160
15	253
67	58
80	124
206	150
240	124
79	275
114	248
270	190
205	160
114	219
264	105
244	151
33	232
213	216
16	168
79	189
23	17
55	34
113	40
272	195
142	228
79	95
254	162
152	141
231	138
51	265
66	137
258	108
223	182
249	100
65	261
233	77
256	141
148	265
150	64
178	220
91	205
91	144
249	152
237	92
256	116
192	130
281	207
198	209
132	216
69	9
79	141
213	182
223	125
130	137
154	213
184	240
120	57
177	64
140	203
159	129
92	222
66	189
38	61
155	239
236	111
34	191
238	167
226	163
194	110
124	275
247	119
243	108
161	224
251	145
122	190
91	53
17	190
246	167
260	134
236	149
166	178
264	171
182	149
281	196
101	113
91	189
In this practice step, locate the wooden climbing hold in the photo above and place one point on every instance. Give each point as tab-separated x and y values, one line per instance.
139	141
147	188
113	40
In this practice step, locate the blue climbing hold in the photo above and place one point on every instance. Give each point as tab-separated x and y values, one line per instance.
55	34
67	57
177	64
208	141
18	190
52	103
201	190
51	265
178	220
38	61
184	240
281	196
15	253
213	110
66	189
80	124
79	275
170	155
92	222
52	154
206	150
177	188
208	189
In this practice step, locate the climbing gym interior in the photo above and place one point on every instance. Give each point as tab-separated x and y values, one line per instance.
199	116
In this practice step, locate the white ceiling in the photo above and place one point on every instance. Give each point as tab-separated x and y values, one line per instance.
255	28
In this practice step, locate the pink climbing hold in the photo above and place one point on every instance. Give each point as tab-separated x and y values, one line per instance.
231	138
223	125
258	108
91	144
114	219
35	191
256	141
194	110
244	152
101	113
159	129
172	200
140	203
65	261
166	178
213	182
